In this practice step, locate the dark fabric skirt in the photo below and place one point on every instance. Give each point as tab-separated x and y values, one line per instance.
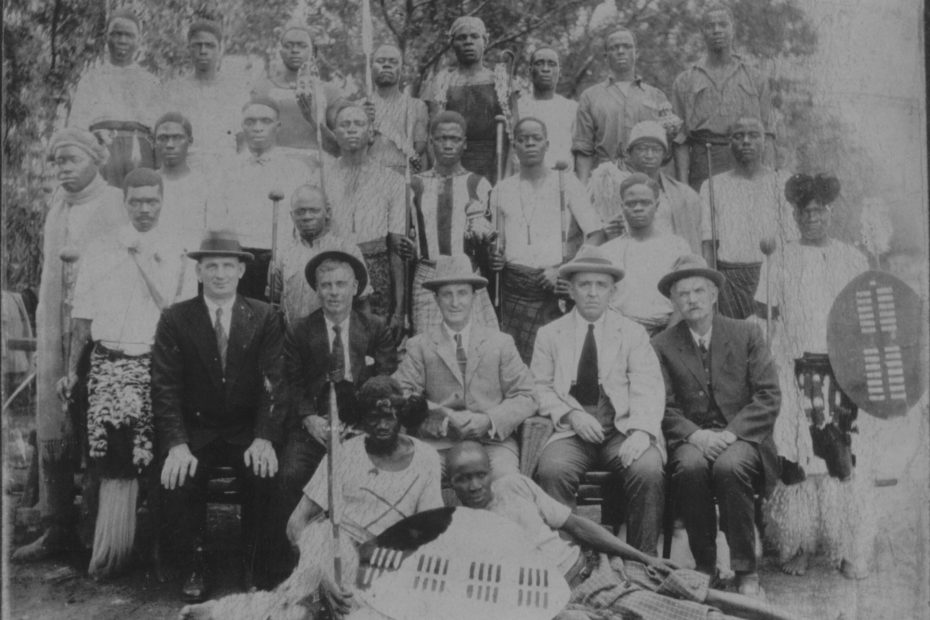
736	298
525	306
721	157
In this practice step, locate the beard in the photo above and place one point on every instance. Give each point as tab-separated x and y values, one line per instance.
382	447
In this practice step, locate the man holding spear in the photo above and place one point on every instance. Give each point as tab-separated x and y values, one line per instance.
538	208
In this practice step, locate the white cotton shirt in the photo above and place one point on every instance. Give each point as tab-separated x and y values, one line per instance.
581	332
111	293
538	209
747	210
644	262
226	318
184	208
559	115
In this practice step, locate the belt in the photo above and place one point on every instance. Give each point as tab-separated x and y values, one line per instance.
582	568
114	353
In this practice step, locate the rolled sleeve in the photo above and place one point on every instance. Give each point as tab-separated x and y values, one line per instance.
583	132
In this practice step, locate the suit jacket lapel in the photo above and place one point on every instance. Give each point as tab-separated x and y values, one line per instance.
476	350
689	354
446	353
719	349
611	343
241	330
319	343
358	344
204	338
566	340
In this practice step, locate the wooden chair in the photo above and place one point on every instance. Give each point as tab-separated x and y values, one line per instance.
597	488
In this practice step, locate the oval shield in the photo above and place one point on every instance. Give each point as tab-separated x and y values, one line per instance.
458	564
873	340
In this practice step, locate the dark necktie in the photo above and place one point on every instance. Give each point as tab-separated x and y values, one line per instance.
222	340
339	358
705	357
586	382
460	356
444	217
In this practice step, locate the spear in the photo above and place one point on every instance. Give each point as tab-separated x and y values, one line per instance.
368	43
334	496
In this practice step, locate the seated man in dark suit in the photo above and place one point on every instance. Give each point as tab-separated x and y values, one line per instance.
215	364
722	397
334	341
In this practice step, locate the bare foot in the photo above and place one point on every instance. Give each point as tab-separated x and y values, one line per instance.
849	570
796	565
200	611
747	584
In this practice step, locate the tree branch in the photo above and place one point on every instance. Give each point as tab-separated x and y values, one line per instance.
390	24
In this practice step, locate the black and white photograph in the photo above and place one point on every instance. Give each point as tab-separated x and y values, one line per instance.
465	309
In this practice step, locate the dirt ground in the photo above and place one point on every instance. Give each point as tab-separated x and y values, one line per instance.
897	588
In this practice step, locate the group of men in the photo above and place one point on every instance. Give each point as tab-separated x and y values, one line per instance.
583	287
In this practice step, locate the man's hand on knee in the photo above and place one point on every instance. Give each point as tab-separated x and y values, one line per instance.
586	426
178	466
633	447
260	456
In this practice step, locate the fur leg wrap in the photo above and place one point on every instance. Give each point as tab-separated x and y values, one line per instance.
792	518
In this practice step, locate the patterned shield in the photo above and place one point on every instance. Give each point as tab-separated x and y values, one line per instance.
873	340
458	564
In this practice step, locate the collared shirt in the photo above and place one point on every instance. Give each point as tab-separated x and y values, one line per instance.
112	93
368	201
644	262
111	292
226	318
429	207
704	105
607	113
245	205
581	332
705	339
747	210
532	218
465	333
344	336
298	298
559	115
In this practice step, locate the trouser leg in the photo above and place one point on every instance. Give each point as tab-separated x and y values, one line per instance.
561	466
258	527
644	492
694	499
184	508
736	473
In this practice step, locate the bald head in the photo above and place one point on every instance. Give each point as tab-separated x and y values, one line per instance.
469	470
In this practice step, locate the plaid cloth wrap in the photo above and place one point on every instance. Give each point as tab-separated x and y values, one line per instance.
525	306
631	590
377	261
426	313
739	288
120	427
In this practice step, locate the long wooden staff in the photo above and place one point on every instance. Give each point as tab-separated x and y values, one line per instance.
275	196
411	229
713	208
561	166
368	44
334	496
767	246
501	121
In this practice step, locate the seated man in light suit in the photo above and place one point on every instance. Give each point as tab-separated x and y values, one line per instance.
476	384
599	381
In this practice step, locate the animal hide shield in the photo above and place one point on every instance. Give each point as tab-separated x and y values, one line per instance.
458	564
873	340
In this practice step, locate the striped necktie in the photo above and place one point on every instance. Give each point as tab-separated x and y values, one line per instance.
460	356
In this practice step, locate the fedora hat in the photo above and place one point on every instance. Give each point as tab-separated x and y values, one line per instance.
590	260
689	266
220	243
455	269
358	267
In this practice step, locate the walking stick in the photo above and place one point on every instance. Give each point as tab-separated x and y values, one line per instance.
767	245
713	208
561	166
500	121
333	495
411	230
275	196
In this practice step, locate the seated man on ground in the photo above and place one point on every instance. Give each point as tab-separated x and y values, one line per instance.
473	378
383	477
599	381
612	576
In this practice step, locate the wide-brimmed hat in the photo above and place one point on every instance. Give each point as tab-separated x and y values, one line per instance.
454	270
590	260
689	266
358	267
220	243
647	130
